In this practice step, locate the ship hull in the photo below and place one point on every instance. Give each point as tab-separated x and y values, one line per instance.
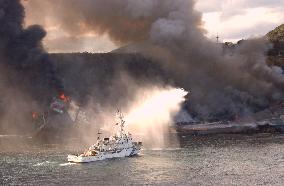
103	155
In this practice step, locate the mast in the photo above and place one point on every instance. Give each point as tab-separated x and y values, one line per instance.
122	122
99	134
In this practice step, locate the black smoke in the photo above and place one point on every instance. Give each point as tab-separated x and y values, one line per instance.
171	33
28	78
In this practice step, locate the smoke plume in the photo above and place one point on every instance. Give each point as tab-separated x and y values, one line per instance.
171	31
28	80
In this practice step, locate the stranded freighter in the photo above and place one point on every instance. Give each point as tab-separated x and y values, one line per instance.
117	146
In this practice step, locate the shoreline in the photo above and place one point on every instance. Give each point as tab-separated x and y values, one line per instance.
231	128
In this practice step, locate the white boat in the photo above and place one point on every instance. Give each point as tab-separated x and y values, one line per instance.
117	146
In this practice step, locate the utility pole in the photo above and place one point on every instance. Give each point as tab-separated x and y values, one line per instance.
217	38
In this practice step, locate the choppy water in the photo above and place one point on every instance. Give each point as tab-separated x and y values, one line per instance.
215	160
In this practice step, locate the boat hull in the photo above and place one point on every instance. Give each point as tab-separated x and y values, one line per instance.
102	156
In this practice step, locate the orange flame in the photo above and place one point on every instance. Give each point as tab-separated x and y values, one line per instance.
64	98
34	115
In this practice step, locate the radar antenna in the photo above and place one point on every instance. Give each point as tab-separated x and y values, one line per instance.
99	134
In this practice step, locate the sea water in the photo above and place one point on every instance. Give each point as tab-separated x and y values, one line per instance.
204	160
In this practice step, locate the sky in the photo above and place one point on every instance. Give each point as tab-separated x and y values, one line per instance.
232	20
240	19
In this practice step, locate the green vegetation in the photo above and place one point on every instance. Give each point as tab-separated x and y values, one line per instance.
276	54
276	35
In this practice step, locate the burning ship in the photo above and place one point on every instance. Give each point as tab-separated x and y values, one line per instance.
117	146
57	121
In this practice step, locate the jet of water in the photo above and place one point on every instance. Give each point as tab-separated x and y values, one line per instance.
152	113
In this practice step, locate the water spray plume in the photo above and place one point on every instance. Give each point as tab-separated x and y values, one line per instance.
152	113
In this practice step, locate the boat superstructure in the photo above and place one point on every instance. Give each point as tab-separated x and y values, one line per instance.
119	145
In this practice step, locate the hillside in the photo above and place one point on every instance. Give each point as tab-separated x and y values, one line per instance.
276	54
276	35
